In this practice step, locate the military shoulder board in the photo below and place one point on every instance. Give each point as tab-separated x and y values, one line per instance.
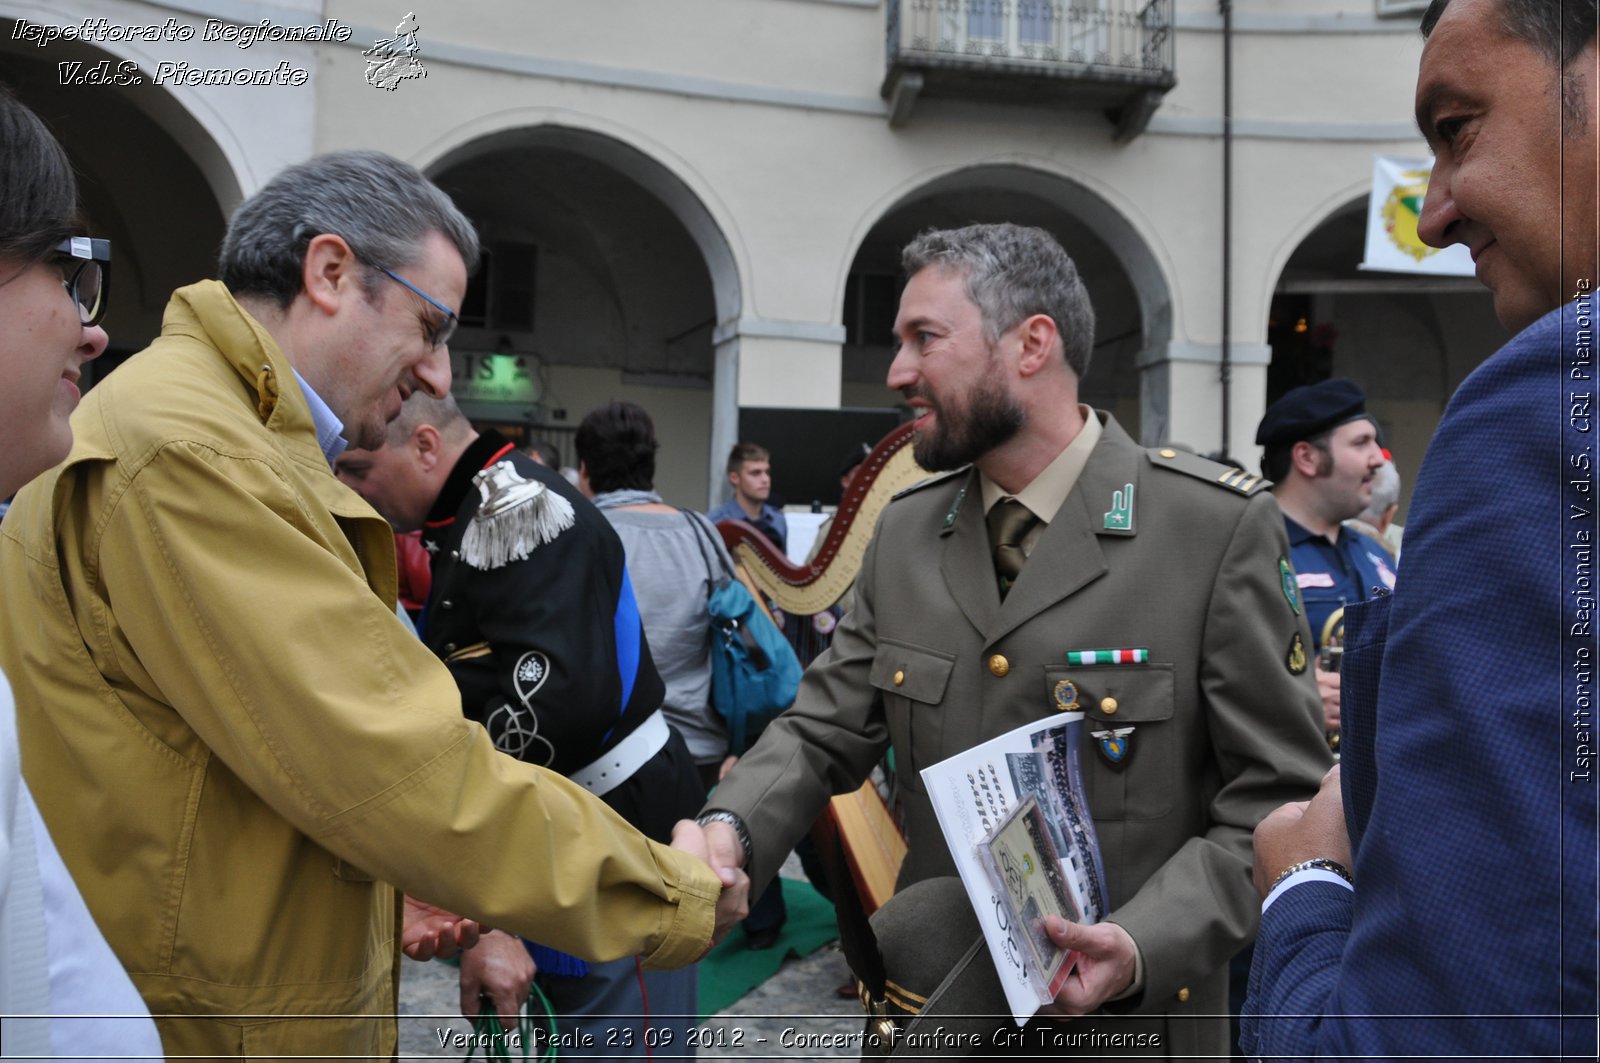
1237	480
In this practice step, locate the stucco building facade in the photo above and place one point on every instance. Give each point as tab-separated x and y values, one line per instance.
697	204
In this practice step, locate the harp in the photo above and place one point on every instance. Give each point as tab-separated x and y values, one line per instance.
857	834
805	590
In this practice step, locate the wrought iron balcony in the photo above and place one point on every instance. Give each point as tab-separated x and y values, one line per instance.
1109	55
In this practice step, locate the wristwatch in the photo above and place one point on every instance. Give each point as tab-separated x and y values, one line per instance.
722	815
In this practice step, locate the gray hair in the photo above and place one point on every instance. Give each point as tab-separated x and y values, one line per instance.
1013	272
1385	492
422	408
382	207
1558	29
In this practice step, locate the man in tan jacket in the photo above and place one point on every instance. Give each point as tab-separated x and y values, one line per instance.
235	740
968	624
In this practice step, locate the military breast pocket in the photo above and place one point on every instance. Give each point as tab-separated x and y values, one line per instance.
1130	770
912	680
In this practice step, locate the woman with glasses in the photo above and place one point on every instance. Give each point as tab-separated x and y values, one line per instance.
53	283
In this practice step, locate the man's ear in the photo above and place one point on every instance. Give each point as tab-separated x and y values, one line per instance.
330	272
428	445
733	476
1041	344
1305	459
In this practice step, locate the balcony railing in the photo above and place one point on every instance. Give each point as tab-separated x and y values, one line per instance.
1115	54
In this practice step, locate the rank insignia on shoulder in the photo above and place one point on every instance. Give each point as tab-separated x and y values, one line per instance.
1214	472
1291	587
1239	480
1295	659
516	515
1114	746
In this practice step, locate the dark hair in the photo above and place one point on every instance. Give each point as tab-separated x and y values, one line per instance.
1559	29
382	207
743	452
1013	272
544	452
38	193
617	445
1276	459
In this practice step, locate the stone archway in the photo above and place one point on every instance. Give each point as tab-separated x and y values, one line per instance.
151	178
609	278
1407	340
1126	284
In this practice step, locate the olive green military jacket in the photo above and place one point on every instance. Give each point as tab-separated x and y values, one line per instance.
1225	717
237	745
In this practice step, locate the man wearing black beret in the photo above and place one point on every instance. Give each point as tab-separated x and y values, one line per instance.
1322	452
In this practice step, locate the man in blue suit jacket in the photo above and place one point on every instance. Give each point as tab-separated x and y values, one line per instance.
1440	898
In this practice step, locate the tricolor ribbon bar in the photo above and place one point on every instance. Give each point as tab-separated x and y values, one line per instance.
1108	656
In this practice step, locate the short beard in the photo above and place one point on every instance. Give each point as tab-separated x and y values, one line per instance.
992	417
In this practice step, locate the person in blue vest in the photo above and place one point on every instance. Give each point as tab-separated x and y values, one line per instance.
1322	454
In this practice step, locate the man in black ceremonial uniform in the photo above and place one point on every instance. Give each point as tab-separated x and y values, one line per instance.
532	610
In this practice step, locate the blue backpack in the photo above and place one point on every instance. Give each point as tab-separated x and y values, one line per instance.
754	671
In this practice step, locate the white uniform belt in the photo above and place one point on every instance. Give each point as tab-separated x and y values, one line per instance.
617	765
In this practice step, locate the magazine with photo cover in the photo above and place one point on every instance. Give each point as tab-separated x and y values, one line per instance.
1023	863
976	795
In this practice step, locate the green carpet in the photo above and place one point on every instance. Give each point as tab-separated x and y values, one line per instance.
730	970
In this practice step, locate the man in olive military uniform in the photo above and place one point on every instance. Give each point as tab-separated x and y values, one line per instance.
966	610
1322	454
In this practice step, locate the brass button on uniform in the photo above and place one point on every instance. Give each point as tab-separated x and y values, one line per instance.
999	666
1108	706
1168	453
1183	995
899	677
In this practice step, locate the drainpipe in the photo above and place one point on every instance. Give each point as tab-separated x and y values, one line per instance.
1227	225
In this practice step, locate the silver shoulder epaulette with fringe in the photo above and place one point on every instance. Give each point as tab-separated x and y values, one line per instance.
517	515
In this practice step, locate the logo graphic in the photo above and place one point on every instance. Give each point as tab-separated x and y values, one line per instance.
392	61
1401	211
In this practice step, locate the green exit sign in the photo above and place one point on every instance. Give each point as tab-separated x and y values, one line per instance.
494	378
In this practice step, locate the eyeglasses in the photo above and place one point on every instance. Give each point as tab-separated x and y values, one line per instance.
442	332
90	283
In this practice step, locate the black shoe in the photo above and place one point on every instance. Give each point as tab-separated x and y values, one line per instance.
762	939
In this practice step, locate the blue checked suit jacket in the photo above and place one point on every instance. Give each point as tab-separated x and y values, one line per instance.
1468	782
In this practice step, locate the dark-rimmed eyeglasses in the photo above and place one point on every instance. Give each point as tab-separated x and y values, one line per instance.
89	283
439	334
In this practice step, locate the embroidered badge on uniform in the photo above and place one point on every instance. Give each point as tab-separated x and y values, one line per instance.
955	507
1291	589
1296	659
515	730
1120	516
1114	746
1066	695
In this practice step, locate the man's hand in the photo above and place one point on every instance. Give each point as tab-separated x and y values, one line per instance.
1300	831
1107	959
718	846
500	967
1328	688
428	931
